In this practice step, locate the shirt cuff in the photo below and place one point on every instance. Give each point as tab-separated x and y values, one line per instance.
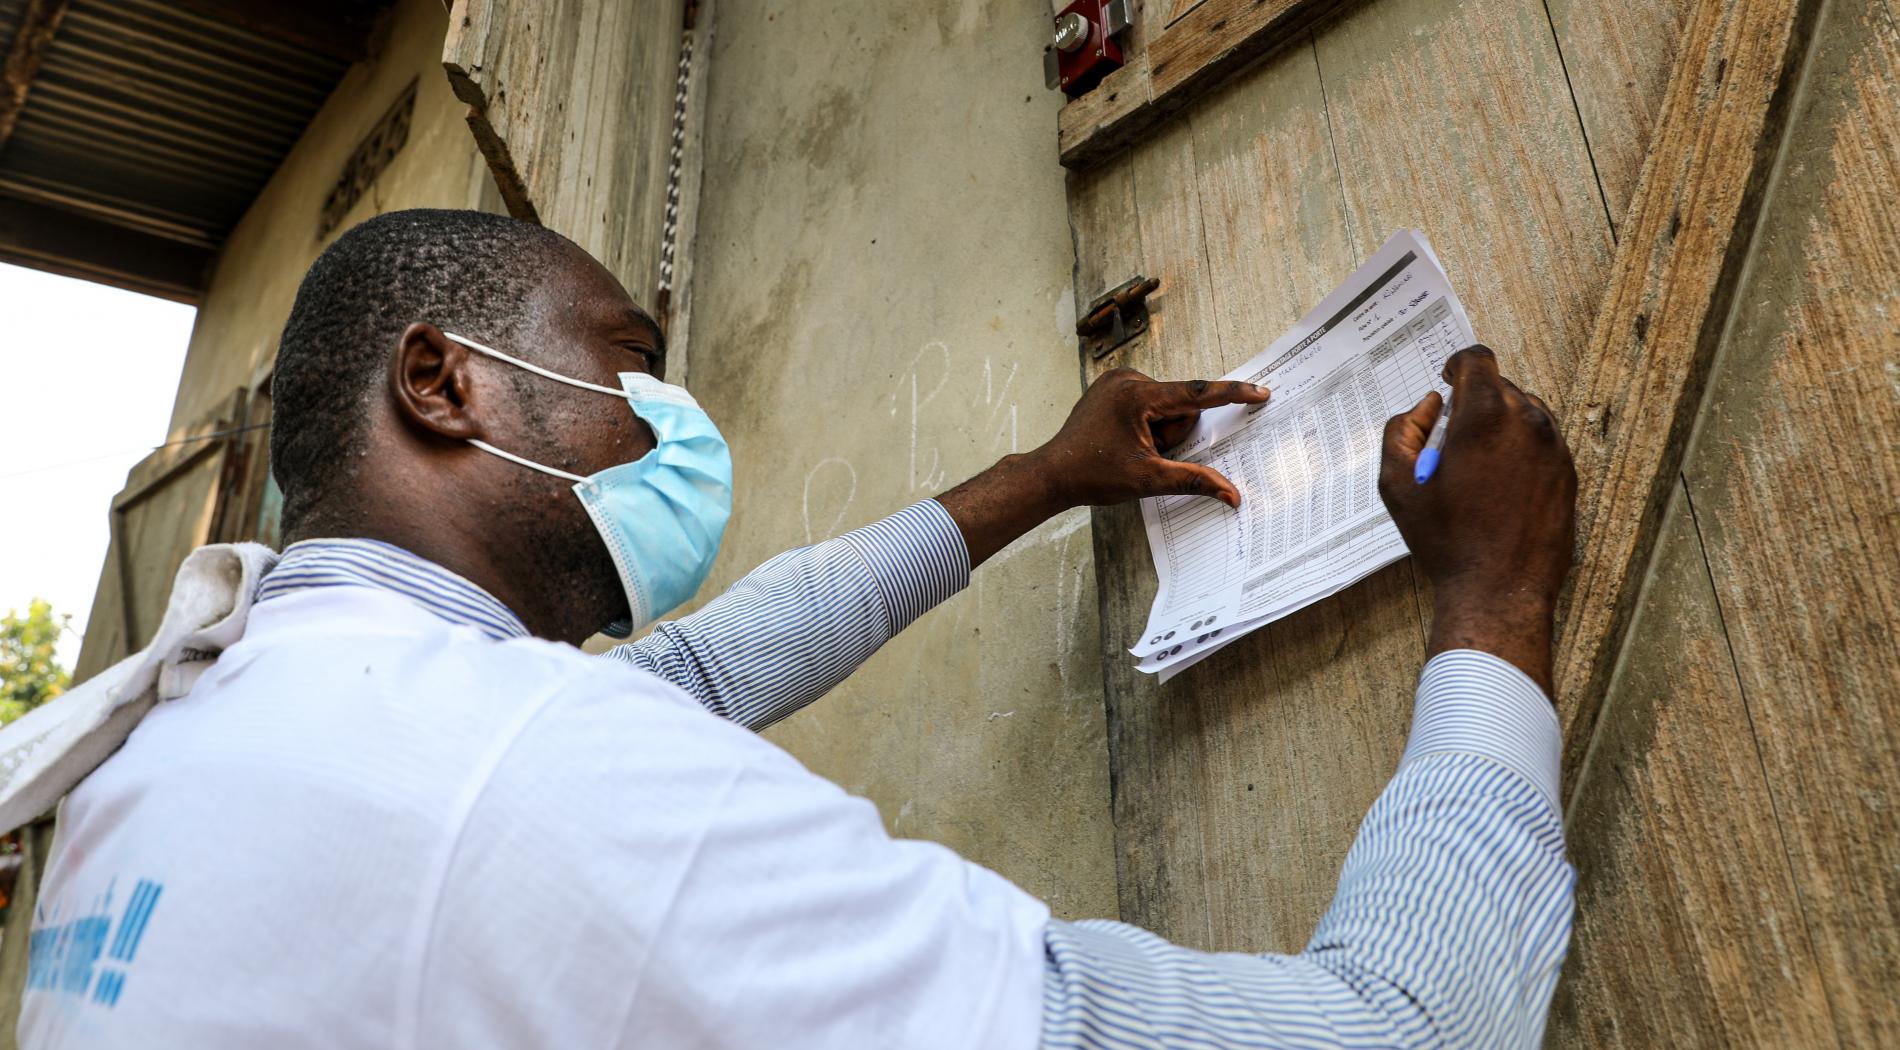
918	558
1474	703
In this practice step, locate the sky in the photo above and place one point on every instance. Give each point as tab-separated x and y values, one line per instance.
87	378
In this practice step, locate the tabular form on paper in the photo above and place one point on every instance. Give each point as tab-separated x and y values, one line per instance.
1306	464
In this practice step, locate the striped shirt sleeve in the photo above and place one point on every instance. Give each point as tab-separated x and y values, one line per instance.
796	626
1448	928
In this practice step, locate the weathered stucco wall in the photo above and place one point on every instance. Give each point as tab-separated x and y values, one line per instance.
883	308
266	255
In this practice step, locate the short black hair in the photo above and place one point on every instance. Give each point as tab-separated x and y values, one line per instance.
470	272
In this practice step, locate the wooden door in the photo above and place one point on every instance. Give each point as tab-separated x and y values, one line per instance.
1606	182
201	487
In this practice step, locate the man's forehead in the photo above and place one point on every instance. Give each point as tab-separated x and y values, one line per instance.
583	295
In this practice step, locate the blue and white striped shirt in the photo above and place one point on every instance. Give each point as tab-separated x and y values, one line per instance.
1453	909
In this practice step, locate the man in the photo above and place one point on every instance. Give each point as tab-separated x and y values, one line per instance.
402	810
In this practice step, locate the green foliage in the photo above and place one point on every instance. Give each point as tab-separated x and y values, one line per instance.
30	674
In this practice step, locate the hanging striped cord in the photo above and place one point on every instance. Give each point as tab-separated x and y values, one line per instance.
669	233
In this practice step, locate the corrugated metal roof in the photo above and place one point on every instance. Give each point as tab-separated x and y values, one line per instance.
156	119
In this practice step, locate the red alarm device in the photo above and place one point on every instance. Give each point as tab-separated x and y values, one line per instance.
1085	50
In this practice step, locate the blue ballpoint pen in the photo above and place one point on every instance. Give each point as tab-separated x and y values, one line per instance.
1434	444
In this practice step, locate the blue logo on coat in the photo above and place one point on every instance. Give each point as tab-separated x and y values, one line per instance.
64	956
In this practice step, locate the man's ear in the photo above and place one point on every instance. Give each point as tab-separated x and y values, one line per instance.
431	385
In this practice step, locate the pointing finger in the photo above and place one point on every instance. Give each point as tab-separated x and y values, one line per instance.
1203	393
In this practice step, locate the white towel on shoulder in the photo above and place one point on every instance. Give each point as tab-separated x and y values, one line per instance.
49	750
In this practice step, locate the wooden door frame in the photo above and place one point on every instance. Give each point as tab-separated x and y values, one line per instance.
222	433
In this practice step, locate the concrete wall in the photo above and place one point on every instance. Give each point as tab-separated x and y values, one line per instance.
883	307
265	257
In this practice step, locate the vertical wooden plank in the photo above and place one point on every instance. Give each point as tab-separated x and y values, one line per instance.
1795	472
1156	756
1107	237
36	841
1669	294
105	642
886	242
1277	235
1184	341
1689	929
1618	55
1454	116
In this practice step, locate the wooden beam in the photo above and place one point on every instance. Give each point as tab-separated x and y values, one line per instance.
38	23
338	29
113	211
63	242
1208	45
1684	240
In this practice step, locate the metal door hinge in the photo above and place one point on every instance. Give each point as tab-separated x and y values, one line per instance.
1116	316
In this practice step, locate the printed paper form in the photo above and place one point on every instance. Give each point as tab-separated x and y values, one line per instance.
1306	464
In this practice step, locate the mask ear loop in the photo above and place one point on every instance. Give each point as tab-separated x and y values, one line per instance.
530	464
545	373
536	369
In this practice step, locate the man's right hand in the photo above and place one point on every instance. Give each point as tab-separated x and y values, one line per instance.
1493	528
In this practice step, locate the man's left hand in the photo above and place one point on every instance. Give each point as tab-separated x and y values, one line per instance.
1110	450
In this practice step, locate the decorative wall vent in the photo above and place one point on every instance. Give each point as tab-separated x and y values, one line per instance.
368	160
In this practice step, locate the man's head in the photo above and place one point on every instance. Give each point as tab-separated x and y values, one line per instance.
373	407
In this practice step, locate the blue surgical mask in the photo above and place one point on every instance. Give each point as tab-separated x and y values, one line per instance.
662	515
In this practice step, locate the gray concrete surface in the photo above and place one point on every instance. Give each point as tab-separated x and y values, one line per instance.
882	308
